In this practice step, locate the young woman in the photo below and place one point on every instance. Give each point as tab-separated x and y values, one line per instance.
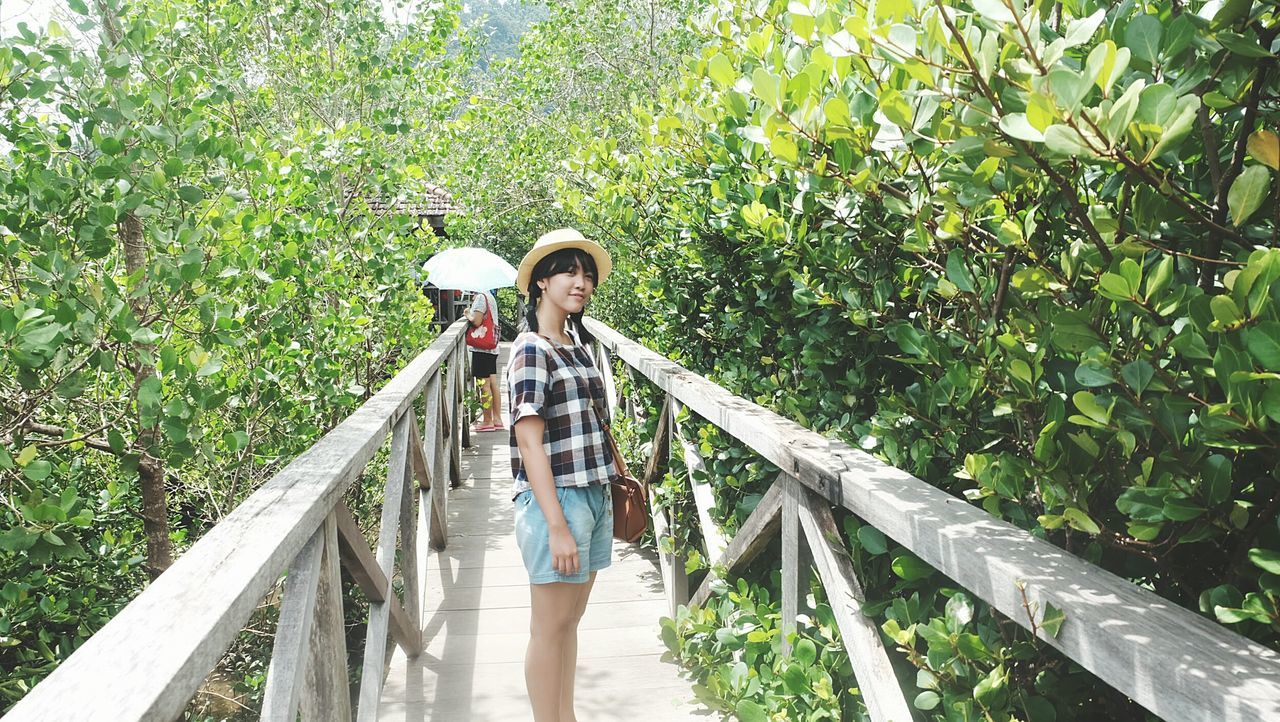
484	364
560	458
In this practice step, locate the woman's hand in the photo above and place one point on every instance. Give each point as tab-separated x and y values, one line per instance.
564	551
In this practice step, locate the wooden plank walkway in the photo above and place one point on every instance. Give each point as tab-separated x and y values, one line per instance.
476	621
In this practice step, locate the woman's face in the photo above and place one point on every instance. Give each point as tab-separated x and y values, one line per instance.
569	290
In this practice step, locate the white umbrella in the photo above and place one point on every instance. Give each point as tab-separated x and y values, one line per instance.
468	269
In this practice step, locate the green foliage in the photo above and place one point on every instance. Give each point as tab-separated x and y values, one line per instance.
733	646
260	303
574	79
1026	252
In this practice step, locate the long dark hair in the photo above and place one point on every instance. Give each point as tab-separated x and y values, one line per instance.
567	260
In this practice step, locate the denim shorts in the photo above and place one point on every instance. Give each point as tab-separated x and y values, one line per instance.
589	513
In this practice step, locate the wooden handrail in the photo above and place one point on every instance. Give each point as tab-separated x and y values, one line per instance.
1177	664
148	661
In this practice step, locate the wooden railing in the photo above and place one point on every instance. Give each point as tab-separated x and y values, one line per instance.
1177	664
152	657
149	660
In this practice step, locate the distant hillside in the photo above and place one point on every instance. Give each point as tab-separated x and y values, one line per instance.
506	20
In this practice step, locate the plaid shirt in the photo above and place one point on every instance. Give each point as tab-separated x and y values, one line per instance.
557	382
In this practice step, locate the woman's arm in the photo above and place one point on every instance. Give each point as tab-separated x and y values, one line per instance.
537	467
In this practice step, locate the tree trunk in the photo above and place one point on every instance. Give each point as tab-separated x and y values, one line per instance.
155	502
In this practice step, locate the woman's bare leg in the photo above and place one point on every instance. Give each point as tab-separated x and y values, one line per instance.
552	621
493	412
570	654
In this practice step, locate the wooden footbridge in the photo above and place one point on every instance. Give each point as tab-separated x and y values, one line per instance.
448	598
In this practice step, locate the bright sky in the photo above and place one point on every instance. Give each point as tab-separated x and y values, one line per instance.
35	13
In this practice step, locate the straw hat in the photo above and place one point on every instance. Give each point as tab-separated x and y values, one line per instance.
558	240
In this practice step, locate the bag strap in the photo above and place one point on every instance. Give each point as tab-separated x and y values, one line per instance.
618	461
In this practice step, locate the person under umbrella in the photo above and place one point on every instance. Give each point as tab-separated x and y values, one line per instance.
484	362
476	269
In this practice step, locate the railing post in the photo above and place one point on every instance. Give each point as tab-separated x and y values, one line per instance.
795	561
464	363
409	542
674	578
452	419
289	654
325	694
704	497
375	645
431	450
606	374
860	635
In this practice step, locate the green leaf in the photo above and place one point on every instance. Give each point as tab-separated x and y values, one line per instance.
1137	374
1116	287
28	454
960	609
1088	405
910	568
1142	37
18	539
784	148
1217	479
1263	342
1080	521
957	273
721	70
895	108
1264	147
1071	331
994	10
1243	45
1224	310
1271	402
173	167
1230	12
1052	621
190	194
836	111
805	652
1268	560
1080	30
1143	503
1159	278
990	689
748	711
971	646
149	393
1247	193
1092	373
144	335
1179	508
37	470
872	539
1016	125
1069	87
1065	141
767	87
795	679
927	700
111	146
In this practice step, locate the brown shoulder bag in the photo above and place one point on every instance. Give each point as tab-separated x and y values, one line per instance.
630	497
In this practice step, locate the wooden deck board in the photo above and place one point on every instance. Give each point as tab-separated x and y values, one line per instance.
476	622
